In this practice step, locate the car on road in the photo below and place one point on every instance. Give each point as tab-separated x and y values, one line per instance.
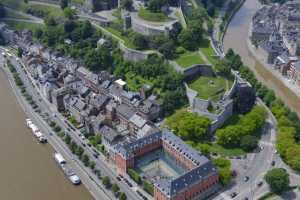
95	155
143	196
246	178
118	178
127	182
260	183
234	194
273	163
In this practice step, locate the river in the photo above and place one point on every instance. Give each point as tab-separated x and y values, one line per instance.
27	169
236	38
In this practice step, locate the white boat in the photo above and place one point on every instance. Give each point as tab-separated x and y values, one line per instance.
66	169
36	132
59	158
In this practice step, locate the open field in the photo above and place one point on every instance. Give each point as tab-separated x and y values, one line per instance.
210	54
118	34
188	59
23	25
150	16
49	10
210	87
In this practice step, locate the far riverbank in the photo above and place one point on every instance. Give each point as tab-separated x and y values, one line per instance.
236	37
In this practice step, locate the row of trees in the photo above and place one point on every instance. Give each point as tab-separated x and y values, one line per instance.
244	134
288	137
148	187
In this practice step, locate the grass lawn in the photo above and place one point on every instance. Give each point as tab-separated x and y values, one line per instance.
15	4
118	34
51	10
215	148
210	54
210	87
78	1
16	15
23	25
150	16
188	59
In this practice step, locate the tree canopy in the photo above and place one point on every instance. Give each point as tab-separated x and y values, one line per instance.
278	180
189	126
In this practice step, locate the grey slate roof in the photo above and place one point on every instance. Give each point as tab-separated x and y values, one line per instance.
170	187
126	111
138	120
109	134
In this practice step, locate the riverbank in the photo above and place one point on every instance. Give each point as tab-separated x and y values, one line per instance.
58	145
270	68
27	169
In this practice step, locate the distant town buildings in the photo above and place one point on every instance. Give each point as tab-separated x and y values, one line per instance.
125	120
276	34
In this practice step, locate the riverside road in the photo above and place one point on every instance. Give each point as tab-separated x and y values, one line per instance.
89	179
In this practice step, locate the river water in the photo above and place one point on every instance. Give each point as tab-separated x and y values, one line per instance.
236	38
27	169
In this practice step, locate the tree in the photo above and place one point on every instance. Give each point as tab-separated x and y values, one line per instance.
67	139
189	126
106	181
26	1
79	151
126	4
73	147
115	188
185	38
139	40
278	180
224	167
2	40
156	5
50	21
123	196
64	3
92	165
249	142
19	52
38	33
69	13
86	160
167	49
2	11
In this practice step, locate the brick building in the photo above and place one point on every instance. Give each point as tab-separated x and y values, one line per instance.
199	180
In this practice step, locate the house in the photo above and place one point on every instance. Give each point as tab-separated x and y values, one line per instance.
294	72
110	137
124	113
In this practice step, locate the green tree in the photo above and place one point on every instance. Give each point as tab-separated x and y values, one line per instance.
69	13
86	160
64	3
67	139
79	151
19	52
185	38
278	180
115	188
92	165
249	142
126	4
224	167
156	5
106	181
123	196
73	147
2	11
167	49
139	40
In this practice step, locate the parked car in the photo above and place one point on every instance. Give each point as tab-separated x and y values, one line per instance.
234	194
273	163
246	178
260	183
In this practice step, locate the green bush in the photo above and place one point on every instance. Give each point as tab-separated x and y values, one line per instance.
148	187
135	176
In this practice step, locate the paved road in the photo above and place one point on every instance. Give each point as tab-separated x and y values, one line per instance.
102	164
